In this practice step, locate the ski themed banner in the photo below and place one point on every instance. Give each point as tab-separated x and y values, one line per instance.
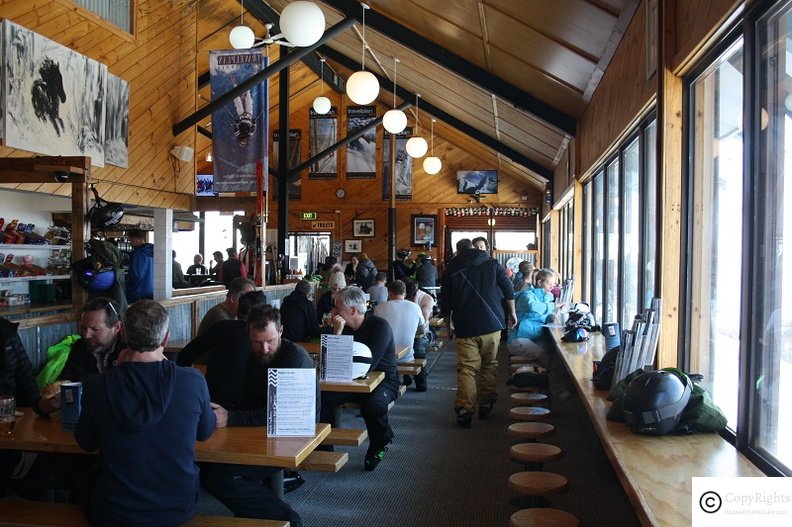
295	136
239	128
324	133
361	153
403	167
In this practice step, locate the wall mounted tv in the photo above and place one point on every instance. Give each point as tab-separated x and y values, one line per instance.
477	182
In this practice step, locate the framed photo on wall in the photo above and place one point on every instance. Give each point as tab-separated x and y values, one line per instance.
352	246
423	230
363	228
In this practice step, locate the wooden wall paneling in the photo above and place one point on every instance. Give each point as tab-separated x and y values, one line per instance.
619	98
694	25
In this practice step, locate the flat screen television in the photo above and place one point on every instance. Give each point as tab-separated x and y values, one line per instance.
477	182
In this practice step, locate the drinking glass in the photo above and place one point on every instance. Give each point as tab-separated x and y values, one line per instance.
7	413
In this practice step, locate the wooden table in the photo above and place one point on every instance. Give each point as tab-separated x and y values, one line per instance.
315	346
656	472
365	385
239	445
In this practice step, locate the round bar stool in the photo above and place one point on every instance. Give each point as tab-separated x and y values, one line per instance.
530	398
530	431
536	485
542	517
528	413
532	455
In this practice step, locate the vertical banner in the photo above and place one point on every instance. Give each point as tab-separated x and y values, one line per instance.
361	153
324	134
295	136
117	122
403	166
239	129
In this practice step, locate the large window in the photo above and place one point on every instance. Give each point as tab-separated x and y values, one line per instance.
620	230
738	326
716	194
566	224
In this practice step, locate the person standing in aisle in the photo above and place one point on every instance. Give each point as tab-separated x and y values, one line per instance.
474	287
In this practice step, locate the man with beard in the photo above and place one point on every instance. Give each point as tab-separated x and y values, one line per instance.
245	489
96	352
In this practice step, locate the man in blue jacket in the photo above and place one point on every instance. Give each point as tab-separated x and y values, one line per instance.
144	416
474	287
140	278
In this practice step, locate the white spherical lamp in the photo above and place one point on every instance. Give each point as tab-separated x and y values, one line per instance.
302	23
242	37
394	121
416	147
432	165
321	105
362	87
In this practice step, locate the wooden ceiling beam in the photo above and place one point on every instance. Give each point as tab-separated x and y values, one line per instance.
462	67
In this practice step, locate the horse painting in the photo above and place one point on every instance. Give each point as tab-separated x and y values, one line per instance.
47	94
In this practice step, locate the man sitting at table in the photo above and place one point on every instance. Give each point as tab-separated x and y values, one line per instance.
144	416
378	293
350	318
406	321
95	352
227	309
228	345
241	488
299	314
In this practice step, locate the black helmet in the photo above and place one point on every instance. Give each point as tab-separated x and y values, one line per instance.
403	253
104	215
575	334
654	402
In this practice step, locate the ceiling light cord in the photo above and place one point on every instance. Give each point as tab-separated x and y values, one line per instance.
363	40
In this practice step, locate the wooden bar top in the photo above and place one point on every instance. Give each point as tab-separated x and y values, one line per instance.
656	472
243	445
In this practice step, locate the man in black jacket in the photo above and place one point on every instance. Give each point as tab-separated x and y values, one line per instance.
350	318
473	288
242	488
298	314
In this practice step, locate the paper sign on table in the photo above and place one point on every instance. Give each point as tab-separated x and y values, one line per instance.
336	358
291	402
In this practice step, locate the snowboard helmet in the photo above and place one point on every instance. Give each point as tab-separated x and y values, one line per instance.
103	214
402	253
361	360
655	401
575	334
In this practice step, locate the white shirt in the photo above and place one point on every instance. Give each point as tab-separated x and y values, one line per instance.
378	294
406	320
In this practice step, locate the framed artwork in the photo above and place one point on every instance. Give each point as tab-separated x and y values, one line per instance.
363	228
352	246
423	230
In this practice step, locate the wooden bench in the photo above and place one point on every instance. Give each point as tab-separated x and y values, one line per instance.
411	368
40	514
346	437
321	461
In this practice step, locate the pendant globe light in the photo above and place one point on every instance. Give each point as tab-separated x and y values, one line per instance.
432	164
416	145
242	37
362	86
394	121
321	104
302	23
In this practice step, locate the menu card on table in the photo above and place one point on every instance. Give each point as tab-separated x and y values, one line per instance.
291	402
336	358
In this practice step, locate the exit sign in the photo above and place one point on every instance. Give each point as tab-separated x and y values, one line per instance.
308	215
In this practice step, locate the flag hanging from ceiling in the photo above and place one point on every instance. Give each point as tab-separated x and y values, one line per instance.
403	166
324	134
239	128
361	153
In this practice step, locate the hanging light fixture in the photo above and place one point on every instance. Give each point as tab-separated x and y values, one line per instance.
394	121
302	23
416	145
321	104
362	86
242	37
432	164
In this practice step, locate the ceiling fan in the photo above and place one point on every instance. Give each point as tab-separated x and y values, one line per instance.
268	39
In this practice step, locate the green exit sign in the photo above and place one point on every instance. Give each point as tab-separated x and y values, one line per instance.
308	215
